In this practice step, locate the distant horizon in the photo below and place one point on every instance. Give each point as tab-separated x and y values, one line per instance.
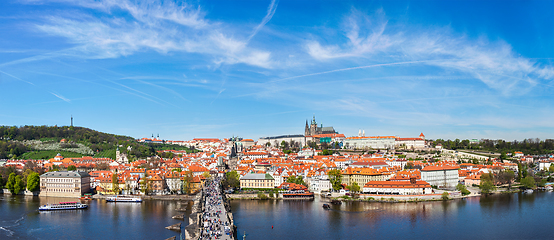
448	69
255	139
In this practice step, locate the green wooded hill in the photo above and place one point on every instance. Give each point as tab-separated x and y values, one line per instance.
43	142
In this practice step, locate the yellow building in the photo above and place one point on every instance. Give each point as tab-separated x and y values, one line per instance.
257	180
363	175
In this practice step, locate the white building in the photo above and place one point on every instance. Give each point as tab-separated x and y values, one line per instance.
318	185
386	142
412	187
440	176
411	143
545	164
396	162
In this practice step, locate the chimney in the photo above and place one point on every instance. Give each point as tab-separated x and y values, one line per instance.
412	180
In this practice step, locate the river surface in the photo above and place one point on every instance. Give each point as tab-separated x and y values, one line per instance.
20	219
508	216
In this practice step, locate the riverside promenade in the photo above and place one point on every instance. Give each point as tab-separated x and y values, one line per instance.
211	217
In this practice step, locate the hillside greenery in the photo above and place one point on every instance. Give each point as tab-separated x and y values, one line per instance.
43	142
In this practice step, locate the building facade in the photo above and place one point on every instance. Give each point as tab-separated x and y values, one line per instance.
64	184
440	176
381	142
362	176
257	180
398	187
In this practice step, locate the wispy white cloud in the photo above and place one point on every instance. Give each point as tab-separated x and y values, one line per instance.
61	97
161	26
17	78
493	63
270	11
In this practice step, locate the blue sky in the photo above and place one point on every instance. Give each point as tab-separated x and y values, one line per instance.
449	69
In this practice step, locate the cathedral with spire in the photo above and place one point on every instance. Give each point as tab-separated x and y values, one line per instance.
312	129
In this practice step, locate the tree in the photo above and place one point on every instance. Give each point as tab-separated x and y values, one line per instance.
335	177
231	179
33	182
187	182
506	177
71	168
354	187
296	179
144	184
486	185
445	196
10	185
18	185
528	182
206	174
503	155
551	168
115	183
462	188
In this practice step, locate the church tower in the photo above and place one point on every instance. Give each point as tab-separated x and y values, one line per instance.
306	129
313	127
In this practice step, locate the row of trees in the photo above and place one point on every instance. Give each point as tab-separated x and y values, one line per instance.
527	146
16	182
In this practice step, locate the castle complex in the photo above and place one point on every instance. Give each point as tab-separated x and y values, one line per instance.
313	129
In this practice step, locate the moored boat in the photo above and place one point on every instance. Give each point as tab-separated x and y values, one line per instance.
326	206
123	199
528	191
62	206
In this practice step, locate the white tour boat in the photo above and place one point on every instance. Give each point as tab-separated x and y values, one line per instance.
62	206
123	199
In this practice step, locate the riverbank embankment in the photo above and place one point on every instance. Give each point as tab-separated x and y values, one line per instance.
156	197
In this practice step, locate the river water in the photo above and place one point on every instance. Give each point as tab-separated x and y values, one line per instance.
20	219
508	216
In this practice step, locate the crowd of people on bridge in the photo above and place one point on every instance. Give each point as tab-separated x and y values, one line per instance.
213	227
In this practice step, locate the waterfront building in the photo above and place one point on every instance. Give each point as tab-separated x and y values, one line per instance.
472	179
173	181
319	184
295	191
64	184
440	176
158	184
411	187
257	180
363	175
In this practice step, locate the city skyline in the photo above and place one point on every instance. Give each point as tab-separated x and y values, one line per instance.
186	70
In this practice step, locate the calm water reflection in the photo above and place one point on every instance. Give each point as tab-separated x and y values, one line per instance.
513	216
19	219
